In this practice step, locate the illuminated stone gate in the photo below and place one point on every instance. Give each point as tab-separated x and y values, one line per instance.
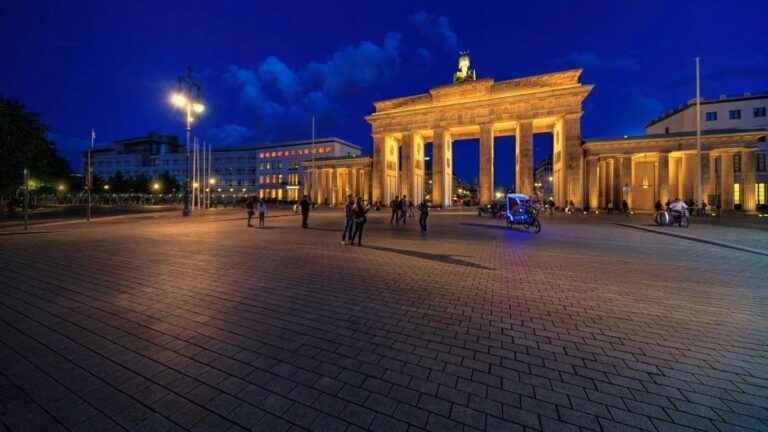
484	109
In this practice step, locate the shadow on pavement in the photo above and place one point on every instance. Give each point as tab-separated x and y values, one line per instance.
26	232
499	227
448	259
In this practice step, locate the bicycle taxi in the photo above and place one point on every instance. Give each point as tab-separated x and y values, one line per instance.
520	212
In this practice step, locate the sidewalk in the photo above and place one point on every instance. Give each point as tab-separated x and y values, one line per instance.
741	232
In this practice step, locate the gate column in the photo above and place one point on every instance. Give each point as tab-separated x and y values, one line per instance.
524	158
572	158
442	181
379	165
486	163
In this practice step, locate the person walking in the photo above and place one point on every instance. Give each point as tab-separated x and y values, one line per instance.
403	208
378	204
349	225
395	213
304	204
360	220
610	207
625	207
411	209
423	214
262	212
249	210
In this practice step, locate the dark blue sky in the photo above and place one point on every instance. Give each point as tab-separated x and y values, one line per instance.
266	67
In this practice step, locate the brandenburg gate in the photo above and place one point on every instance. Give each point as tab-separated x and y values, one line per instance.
484	109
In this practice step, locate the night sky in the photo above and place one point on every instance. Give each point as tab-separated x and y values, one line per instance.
267	67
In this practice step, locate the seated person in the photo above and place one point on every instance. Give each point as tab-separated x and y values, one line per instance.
515	207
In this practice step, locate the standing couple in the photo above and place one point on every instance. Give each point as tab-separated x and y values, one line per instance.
355	218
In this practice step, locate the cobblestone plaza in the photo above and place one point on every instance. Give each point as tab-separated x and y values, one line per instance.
151	323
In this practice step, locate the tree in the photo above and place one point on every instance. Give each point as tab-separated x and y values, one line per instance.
168	183
24	144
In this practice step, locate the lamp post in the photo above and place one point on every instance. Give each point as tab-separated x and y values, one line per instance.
187	97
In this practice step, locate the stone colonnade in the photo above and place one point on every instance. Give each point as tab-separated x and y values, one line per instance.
329	181
662	169
481	109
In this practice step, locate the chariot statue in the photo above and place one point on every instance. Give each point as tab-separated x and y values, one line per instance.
464	73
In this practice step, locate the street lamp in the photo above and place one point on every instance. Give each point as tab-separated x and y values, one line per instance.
187	97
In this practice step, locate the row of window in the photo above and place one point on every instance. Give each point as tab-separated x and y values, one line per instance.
735	114
759	162
760	193
305	151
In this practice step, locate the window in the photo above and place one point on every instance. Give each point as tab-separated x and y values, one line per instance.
737	193
711	116
239	171
228	160
261	179
737	163
251	182
269	165
251	171
760	161
758	112
240	159
280	178
666	129
760	190
261	165
280	165
734	114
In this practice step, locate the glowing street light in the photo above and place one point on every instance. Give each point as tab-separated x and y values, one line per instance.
156	187
106	187
187	97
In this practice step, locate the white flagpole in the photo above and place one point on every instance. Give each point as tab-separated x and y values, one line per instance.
192	186
313	159
89	179
204	183
698	134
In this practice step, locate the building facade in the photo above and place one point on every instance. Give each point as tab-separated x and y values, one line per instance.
745	111
331	179
661	167
274	171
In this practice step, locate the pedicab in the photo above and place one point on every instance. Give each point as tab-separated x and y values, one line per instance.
520	212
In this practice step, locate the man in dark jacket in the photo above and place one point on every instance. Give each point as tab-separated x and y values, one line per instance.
423	214
395	212
304	204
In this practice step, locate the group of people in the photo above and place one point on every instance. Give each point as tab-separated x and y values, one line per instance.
624	207
403	208
355	214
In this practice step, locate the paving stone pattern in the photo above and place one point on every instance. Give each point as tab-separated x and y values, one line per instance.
155	325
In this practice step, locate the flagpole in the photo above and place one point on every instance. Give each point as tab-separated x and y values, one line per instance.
89	179
698	134
313	159
194	173
204	183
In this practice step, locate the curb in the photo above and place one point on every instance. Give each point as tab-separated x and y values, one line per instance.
696	239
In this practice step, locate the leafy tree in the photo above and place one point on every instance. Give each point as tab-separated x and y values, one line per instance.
24	144
168	183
